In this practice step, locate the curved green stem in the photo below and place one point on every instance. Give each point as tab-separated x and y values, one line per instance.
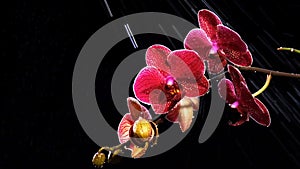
289	49
264	87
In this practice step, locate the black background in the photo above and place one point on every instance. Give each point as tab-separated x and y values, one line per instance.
39	127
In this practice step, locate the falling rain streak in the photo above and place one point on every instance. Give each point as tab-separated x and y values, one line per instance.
131	37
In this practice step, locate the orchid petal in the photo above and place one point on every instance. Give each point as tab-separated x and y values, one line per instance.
137	110
262	117
197	40
232	47
156	55
208	21
147	80
237	79
226	91
188	69
186	113
216	64
124	127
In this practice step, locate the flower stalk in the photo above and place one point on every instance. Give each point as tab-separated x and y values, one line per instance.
269	77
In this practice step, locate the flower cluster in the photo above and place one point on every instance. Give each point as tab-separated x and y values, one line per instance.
217	43
173	81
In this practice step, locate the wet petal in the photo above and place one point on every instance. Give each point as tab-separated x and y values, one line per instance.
233	47
237	79
186	63
226	91
208	21
216	64
188	69
194	88
186	114
197	40
156	55
160	103
137	110
253	107
147	80
261	116
124	127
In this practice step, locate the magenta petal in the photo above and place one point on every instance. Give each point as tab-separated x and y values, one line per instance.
196	89
156	55
186	64
188	69
208	21
228	38
147	80
124	127
159	102
232	47
137	110
262	117
226	91
237	79
216	64
197	40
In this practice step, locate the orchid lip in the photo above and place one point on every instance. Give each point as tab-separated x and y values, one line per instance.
234	105
170	81
214	48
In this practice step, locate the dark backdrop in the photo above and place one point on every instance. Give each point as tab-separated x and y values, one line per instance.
39	127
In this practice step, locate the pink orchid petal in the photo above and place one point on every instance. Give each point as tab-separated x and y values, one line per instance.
156	55
161	104
208	21
186	64
172	115
197	40
198	89
232	47
147	80
188	69
262	117
186	114
237	79
158	101
226	91
137	110
124	127
216	64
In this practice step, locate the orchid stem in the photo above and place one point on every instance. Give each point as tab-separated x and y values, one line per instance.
267	71
269	77
289	49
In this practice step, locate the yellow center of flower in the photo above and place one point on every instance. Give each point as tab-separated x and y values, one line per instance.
142	129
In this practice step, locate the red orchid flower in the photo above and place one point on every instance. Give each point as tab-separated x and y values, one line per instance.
169	76
136	127
217	43
237	95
